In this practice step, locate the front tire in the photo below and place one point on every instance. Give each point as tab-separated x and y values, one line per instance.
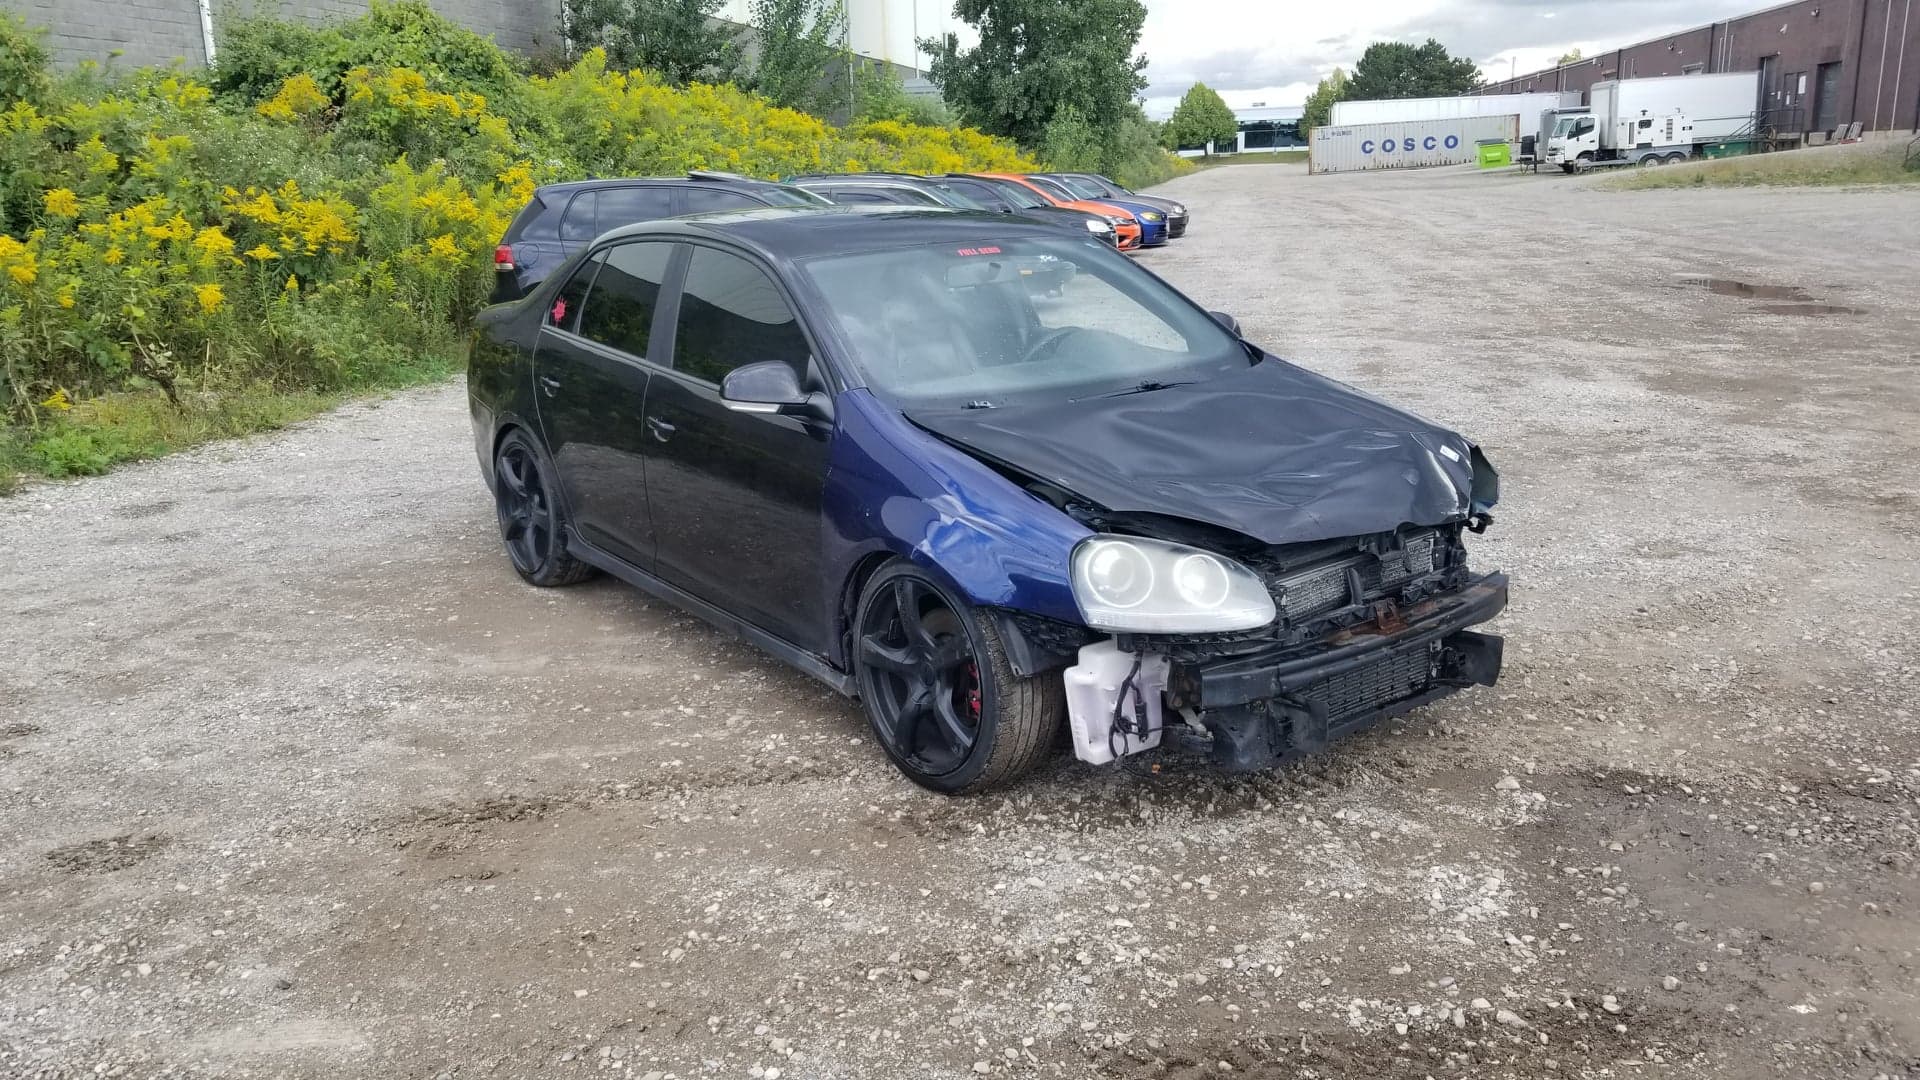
532	521
943	701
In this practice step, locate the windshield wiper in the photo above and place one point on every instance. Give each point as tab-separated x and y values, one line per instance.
1146	387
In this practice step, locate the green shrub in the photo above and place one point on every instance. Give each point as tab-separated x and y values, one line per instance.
23	62
177	256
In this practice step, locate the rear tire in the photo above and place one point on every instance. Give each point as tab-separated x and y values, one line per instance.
1676	159
943	701
532	521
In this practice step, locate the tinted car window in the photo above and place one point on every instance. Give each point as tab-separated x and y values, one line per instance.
626	205
578	222
732	315
861	195
619	312
564	314
984	194
702	200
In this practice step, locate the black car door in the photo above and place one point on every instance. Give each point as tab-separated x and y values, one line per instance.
735	496
590	386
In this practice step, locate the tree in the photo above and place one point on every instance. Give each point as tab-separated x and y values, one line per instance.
1395	69
1202	117
682	40
803	55
1571	56
1319	109
1037	56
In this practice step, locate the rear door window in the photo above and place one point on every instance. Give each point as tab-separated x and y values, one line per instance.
984	194
619	310
731	314
577	225
627	205
564	312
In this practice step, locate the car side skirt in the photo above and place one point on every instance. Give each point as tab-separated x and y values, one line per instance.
781	649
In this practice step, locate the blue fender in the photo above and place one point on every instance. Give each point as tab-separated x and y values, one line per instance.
892	488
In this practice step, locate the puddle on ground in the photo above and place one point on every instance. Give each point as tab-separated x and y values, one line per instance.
1802	302
1809	309
1746	291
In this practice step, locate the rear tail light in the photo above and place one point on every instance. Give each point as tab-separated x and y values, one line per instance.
503	257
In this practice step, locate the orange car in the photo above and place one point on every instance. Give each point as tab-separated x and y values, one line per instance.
1124	225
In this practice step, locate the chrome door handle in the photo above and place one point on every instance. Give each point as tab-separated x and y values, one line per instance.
549	384
662	431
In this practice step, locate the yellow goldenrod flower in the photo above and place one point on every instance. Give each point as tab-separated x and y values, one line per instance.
113	256
62	202
214	242
210	296
263	253
59	402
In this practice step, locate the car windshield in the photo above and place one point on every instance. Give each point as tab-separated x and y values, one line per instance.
952	196
1021	196
1015	322
1085	189
786	195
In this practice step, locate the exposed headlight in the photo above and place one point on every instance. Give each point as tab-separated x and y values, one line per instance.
1127	584
1119	219
1098	227
1149	215
1179	210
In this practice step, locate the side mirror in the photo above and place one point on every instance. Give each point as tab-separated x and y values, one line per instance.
767	387
1232	324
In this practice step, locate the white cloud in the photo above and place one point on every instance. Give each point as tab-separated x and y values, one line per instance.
1259	50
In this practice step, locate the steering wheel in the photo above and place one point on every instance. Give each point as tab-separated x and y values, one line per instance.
1048	344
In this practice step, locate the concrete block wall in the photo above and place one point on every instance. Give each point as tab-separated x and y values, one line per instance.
159	32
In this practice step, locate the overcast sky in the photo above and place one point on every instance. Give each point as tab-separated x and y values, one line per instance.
1273	51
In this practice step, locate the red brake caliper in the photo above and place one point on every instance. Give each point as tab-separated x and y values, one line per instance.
973	690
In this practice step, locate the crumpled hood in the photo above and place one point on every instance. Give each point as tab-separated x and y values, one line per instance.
1276	452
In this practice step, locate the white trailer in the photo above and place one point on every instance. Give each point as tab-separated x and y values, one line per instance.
1655	121
1418	144
1458	107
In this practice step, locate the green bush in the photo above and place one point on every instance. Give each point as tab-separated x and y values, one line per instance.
176	256
23	62
1128	151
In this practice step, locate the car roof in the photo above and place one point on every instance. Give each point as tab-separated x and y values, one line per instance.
798	232
690	179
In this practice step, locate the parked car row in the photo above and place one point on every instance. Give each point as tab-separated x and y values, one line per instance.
561	219
978	471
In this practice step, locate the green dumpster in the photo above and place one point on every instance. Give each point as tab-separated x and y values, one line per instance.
1495	153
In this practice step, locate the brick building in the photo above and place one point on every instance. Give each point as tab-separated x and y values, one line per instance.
1822	63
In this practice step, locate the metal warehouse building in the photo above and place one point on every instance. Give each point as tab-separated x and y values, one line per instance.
1822	64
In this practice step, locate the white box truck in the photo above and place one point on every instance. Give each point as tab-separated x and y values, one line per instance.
1655	121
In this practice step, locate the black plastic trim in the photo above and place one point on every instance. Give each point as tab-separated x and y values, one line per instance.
1256	677
780	648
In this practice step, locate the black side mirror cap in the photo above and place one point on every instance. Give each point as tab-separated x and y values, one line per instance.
1232	324
770	386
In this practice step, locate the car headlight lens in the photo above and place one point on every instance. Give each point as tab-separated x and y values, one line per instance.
1179	210
1098	226
1119	219
1128	584
1149	216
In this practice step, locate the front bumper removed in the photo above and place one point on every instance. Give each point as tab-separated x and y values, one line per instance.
1261	709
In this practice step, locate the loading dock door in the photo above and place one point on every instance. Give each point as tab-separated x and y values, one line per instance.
1826	105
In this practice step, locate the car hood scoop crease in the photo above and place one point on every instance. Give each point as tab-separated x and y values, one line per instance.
1276	453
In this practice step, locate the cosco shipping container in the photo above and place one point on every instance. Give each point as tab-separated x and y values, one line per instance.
1411	110
1406	146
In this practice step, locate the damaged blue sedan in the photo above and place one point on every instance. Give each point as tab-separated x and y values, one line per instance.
995	482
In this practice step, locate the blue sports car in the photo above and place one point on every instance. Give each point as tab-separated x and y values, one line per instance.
992	514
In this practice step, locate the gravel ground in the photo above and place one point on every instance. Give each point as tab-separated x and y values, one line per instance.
297	779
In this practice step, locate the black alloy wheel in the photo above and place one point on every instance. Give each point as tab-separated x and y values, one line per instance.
530	517
938	691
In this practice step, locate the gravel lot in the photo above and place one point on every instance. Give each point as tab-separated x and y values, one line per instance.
297	779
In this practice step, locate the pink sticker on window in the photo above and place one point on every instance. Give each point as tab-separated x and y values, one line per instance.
560	309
